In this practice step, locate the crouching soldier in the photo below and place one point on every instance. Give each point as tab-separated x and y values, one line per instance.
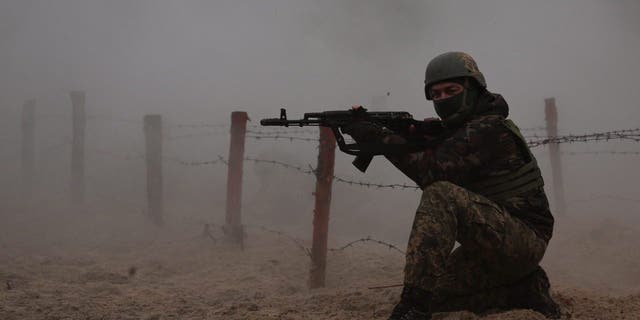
482	188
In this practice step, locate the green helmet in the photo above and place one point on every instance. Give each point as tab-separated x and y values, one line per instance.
451	65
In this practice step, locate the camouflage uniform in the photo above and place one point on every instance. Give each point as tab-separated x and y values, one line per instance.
482	188
496	249
502	237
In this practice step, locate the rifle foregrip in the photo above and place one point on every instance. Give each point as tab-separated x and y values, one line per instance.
273	122
362	162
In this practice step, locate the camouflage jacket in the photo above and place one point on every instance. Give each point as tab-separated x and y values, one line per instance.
479	149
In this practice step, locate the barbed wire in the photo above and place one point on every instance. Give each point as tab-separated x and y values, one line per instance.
196	135
199	125
311	171
297	242
195	163
626	134
279	137
283	132
262	129
368	239
278	130
632	131
376	185
291	135
533	140
611	152
533	136
255	135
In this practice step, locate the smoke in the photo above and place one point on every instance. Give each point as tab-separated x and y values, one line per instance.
195	61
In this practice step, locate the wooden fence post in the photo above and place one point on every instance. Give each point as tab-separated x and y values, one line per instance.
77	148
233	216
551	117
153	156
324	180
28	148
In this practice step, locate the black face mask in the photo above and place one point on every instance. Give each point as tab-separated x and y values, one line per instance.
446	108
455	110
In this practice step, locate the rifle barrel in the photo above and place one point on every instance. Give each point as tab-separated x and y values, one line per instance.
287	123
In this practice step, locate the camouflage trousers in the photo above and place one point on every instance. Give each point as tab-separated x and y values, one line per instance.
495	249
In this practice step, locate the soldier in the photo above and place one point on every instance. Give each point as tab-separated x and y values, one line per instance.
482	188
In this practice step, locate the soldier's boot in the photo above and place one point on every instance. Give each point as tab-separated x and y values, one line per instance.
532	292
414	305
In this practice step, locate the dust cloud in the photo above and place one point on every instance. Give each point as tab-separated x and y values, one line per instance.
194	62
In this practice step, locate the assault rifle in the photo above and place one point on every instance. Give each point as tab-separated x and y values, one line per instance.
401	123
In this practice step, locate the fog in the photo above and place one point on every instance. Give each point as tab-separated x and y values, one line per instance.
196	61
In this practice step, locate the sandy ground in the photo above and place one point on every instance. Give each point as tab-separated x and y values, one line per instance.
181	274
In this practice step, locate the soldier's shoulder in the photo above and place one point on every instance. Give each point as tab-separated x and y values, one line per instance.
488	118
484	122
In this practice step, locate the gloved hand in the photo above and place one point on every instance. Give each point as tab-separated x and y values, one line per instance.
366	131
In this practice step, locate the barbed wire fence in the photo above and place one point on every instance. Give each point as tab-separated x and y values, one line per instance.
627	134
632	135
300	243
258	133
534	141
608	152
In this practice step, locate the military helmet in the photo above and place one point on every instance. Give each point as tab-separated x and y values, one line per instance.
451	65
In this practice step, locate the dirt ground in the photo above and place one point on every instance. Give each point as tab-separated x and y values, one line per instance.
177	273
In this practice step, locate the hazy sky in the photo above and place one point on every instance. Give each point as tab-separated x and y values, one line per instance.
193	58
198	60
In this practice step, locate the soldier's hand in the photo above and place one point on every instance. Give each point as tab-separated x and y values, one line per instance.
363	130
359	113
394	139
359	128
412	128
